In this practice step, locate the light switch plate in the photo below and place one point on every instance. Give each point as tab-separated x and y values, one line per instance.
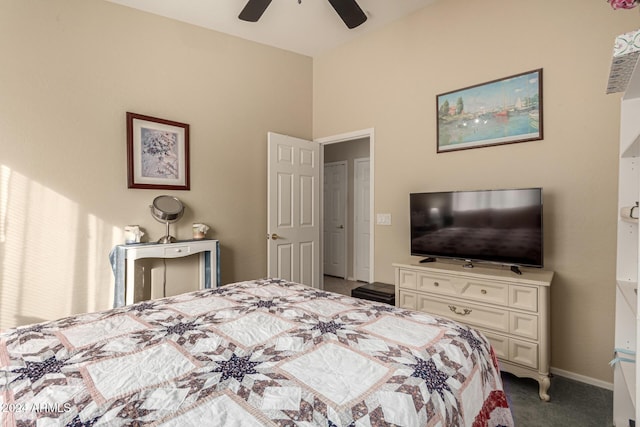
383	219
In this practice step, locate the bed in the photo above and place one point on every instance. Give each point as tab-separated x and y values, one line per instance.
262	352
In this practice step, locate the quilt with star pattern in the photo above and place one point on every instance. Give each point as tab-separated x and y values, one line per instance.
257	353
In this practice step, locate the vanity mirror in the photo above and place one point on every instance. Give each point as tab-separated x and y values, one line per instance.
167	209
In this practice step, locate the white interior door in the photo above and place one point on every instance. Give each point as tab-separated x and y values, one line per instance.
335	219
293	212
362	219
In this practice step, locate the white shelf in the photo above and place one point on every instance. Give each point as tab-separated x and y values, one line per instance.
629	291
630	129
627	266
633	149
629	375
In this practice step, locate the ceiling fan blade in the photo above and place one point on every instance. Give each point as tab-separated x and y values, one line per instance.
349	11
253	10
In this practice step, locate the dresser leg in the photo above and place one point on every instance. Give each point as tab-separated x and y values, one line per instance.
545	383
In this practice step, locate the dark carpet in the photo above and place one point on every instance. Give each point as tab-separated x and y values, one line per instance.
572	403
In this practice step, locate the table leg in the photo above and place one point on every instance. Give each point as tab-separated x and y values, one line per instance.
130	282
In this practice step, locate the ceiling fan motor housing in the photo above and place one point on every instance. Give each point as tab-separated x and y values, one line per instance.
348	10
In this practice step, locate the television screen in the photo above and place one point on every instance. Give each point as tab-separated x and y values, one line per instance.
497	226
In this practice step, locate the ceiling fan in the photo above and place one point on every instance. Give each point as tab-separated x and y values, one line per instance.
348	10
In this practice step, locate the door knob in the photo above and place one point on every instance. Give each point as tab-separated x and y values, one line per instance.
340	226
274	236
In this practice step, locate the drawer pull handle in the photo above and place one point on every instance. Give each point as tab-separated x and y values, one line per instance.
483	291
464	311
436	284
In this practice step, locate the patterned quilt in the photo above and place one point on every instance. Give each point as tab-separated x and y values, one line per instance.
264	352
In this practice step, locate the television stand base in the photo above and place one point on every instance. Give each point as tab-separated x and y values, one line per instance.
516	269
427	259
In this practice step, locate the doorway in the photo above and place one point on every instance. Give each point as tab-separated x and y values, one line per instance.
335	225
356	151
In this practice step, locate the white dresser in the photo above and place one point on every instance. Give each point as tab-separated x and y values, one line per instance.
511	310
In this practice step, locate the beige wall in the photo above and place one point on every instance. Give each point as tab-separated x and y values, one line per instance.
70	71
388	81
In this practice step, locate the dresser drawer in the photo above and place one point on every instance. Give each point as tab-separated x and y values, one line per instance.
462	287
408	300
523	297
472	314
486	292
407	279
524	325
523	353
438	284
513	350
499	343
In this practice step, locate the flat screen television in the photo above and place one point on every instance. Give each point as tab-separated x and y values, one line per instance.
495	226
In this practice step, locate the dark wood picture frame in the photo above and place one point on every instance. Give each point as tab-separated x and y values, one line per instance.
502	111
157	153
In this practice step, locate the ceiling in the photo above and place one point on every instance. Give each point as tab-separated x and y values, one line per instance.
309	27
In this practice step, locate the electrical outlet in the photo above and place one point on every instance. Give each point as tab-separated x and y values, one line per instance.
383	219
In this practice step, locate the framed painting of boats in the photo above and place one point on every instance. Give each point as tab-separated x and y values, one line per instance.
502	111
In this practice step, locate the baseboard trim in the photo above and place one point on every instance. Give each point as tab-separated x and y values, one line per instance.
581	378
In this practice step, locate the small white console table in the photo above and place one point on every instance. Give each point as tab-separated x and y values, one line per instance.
123	259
